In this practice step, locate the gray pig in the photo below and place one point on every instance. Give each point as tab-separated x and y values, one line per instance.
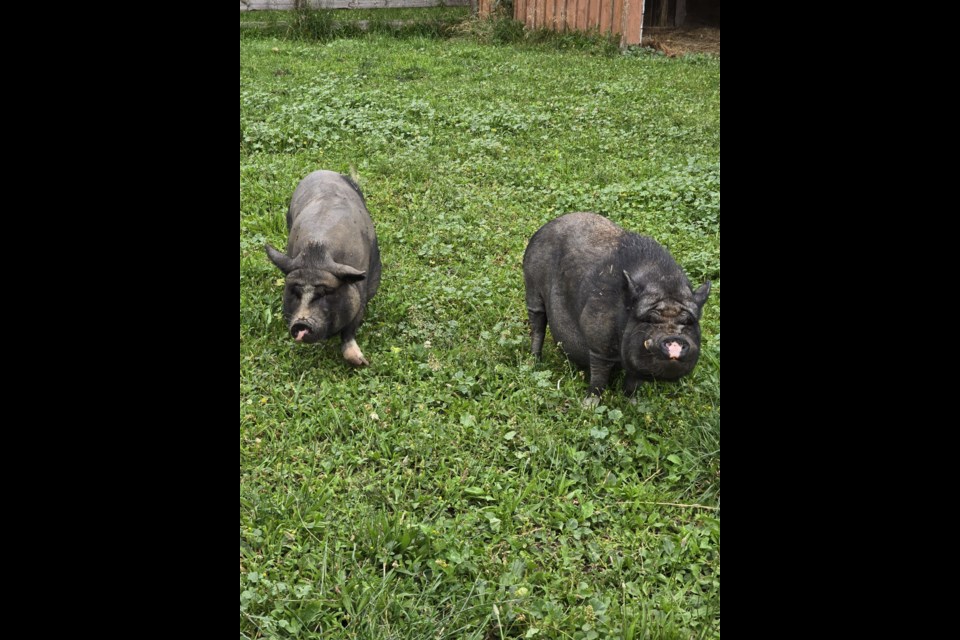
332	262
612	299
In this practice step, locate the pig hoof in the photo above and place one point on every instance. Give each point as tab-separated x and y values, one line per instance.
353	355
590	402
356	359
359	362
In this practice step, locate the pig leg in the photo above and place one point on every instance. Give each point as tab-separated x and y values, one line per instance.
600	369
538	325
353	355
349	348
630	384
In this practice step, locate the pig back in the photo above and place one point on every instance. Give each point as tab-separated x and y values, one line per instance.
570	268
328	208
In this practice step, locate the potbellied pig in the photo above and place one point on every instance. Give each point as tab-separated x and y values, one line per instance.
612	299
332	263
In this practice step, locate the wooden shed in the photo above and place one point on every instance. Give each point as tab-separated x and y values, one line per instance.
628	18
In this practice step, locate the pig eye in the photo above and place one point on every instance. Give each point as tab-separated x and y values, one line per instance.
296	291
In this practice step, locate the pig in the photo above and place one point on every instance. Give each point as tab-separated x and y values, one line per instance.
332	263
613	299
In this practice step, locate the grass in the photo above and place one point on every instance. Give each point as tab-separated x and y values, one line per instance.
338	23
439	13
456	489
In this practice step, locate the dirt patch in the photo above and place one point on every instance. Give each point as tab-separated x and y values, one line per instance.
676	42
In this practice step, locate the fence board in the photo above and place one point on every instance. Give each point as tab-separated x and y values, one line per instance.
616	22
582	22
570	14
606	10
624	17
520	7
631	34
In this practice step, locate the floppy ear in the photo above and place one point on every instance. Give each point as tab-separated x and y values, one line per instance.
348	274
632	287
285	263
700	295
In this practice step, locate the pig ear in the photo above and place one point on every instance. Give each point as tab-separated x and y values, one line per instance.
701	294
635	291
285	263
347	273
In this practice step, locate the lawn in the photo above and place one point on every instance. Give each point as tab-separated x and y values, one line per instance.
434	13
456	488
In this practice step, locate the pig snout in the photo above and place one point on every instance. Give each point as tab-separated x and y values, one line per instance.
303	332
671	347
675	347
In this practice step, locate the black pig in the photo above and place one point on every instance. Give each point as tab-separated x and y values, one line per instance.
332	264
612	298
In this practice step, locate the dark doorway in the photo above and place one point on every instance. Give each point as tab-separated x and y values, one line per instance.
682	13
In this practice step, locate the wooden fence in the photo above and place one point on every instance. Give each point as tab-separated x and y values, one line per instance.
618	17
623	17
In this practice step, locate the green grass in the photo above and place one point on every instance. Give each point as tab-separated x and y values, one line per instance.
456	489
438	13
332	24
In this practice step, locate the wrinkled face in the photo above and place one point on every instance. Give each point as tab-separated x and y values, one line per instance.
318	299
317	304
663	342
661	339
